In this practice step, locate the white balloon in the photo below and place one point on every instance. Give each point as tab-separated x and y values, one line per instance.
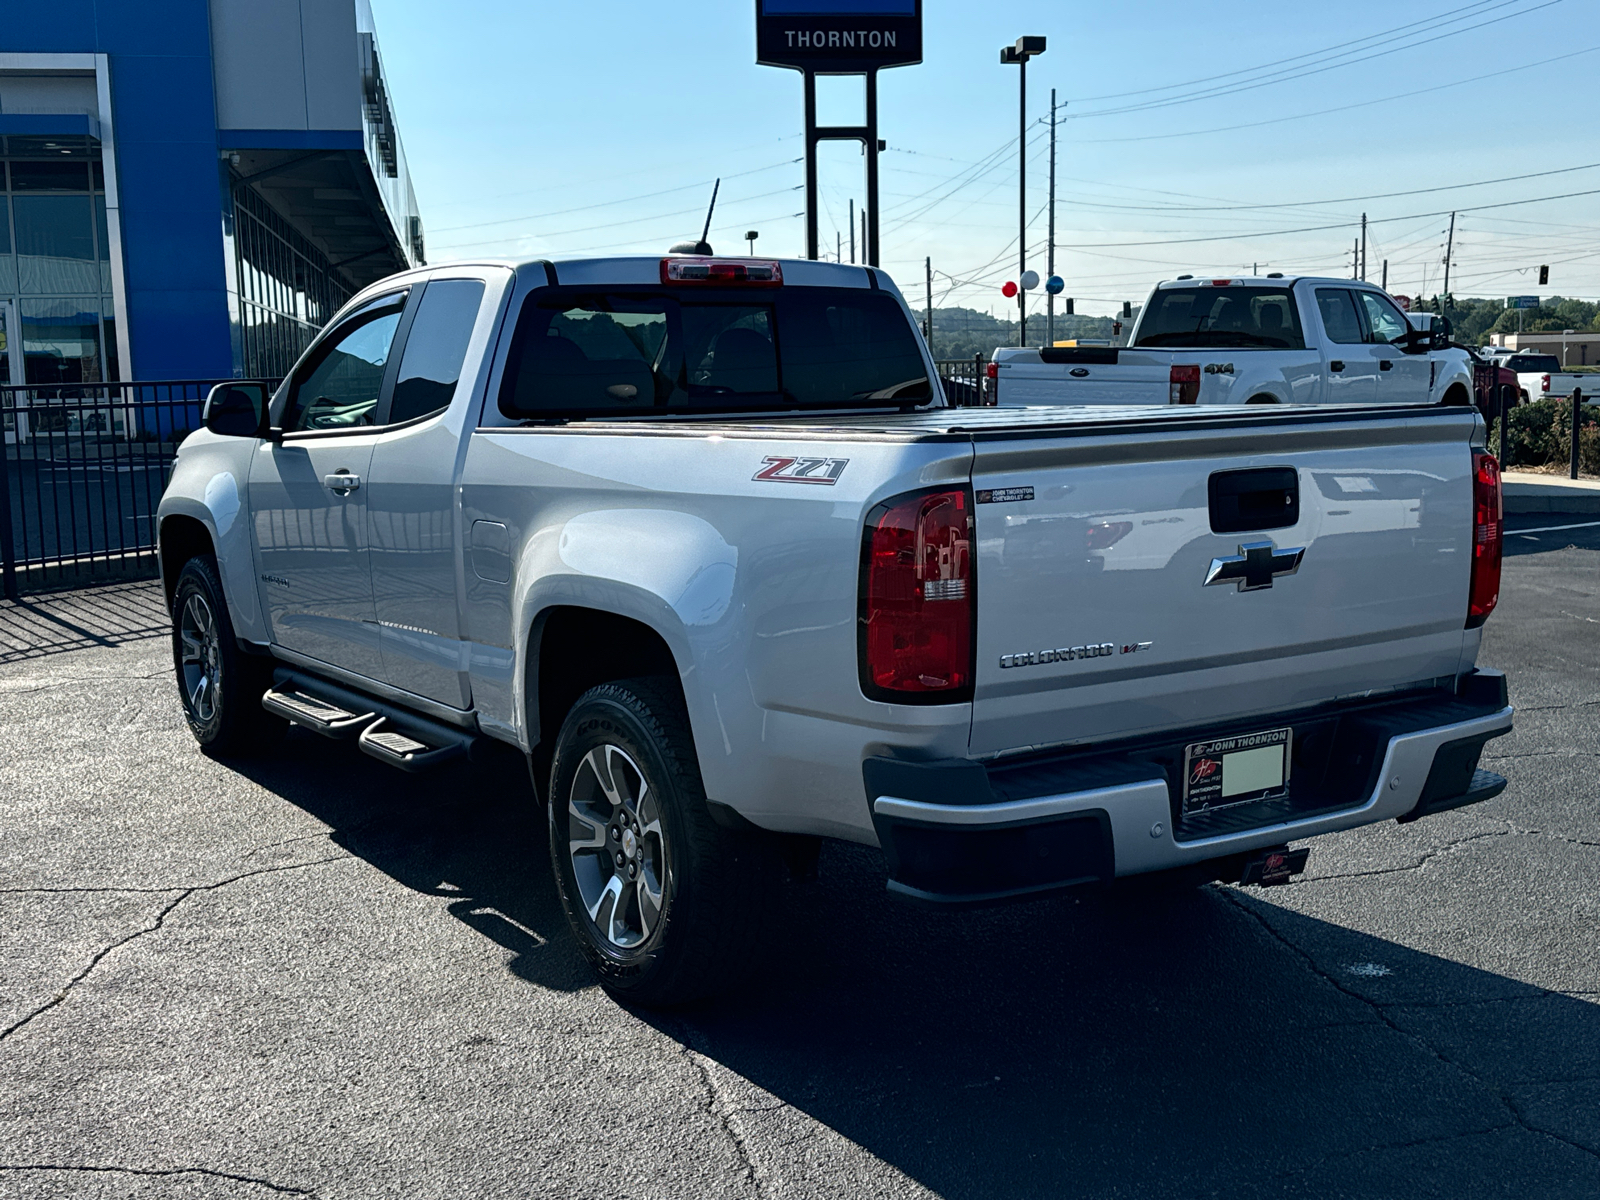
1030	280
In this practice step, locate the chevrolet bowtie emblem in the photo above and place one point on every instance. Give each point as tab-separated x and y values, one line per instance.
1255	566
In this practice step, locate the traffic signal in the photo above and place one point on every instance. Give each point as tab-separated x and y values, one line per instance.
1544	276
1127	309
1069	306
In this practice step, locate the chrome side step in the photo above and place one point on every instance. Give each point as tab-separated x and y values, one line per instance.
315	714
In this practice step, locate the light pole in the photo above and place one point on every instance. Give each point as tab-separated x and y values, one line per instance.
1024	49
751	236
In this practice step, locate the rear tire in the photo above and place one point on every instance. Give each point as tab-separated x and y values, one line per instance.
219	685
666	905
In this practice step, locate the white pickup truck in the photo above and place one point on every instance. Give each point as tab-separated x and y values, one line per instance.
702	540
1256	340
1540	377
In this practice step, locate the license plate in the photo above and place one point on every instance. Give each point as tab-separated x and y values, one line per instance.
1236	770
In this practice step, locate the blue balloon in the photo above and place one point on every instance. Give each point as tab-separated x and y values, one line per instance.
1055	285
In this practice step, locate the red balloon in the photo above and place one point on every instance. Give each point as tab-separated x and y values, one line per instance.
1009	290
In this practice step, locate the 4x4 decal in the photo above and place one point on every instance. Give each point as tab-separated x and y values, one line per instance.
825	471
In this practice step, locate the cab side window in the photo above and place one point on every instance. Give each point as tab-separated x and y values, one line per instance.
436	346
1386	321
1338	310
340	385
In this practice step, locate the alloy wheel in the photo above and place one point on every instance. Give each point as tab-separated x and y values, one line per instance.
201	656
615	843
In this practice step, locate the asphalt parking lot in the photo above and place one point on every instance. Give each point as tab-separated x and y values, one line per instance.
312	975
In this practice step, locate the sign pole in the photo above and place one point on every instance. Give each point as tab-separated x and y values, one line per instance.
871	247
811	165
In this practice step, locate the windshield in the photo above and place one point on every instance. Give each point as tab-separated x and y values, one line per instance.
1245	317
588	352
1534	362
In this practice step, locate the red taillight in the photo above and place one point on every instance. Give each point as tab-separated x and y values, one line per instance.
1487	537
1184	385
917	599
1221	282
741	271
991	370
1544	383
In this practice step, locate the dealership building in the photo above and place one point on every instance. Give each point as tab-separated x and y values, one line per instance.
189	190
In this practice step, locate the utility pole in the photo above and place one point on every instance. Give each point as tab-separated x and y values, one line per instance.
852	229
1386	274
927	265
1050	261
865	257
1355	259
838	246
1363	247
1449	250
1019	54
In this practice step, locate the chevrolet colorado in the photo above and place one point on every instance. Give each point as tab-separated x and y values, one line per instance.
701	538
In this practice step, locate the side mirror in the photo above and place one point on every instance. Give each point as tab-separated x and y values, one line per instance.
237	409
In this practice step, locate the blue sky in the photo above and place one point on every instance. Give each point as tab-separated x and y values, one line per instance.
1194	138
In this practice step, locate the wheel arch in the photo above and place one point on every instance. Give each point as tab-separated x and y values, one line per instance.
180	537
1457	393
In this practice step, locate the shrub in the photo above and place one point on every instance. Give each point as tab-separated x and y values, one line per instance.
1540	435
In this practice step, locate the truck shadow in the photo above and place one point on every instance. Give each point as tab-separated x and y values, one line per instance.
1203	1043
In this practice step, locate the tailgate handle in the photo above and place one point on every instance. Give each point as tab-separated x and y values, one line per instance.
1254	498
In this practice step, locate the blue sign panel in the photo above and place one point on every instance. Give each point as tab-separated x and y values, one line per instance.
838	36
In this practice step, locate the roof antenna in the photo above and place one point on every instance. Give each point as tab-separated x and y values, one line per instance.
702	246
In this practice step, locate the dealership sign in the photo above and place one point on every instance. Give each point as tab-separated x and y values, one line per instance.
838	36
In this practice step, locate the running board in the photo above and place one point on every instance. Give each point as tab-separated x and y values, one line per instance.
315	714
406	750
391	734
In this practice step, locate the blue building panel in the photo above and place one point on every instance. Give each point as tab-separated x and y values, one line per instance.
331	221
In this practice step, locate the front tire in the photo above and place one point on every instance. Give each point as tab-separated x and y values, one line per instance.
219	685
666	905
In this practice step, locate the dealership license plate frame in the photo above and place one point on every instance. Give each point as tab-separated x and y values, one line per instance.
1205	794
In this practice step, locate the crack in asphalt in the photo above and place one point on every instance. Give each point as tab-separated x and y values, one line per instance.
1417	1040
1509	831
718	1107
1421	862
160	1172
160	920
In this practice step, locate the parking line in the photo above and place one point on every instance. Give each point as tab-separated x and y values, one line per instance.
1556	528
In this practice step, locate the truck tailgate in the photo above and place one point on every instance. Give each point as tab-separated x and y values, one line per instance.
1094	546
1099	383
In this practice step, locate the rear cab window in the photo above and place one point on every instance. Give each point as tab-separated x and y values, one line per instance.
637	350
1527	364
1246	318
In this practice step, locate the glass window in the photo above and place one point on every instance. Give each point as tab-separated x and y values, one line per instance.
1528	363
713	351
66	175
593	353
55	244
730	352
61	340
8	264
436	348
1338	310
848	347
103	241
339	386
1243	317
1388	323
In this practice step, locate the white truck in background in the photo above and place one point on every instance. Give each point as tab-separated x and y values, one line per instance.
1540	377
1255	340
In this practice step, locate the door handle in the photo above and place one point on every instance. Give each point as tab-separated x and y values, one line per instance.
1336	365
1386	364
343	483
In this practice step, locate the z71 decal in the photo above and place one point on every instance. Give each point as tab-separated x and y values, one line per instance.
825	471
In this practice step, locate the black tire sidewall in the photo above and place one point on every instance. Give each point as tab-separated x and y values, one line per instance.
607	714
238	720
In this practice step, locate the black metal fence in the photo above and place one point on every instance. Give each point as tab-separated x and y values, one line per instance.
965	383
82	471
